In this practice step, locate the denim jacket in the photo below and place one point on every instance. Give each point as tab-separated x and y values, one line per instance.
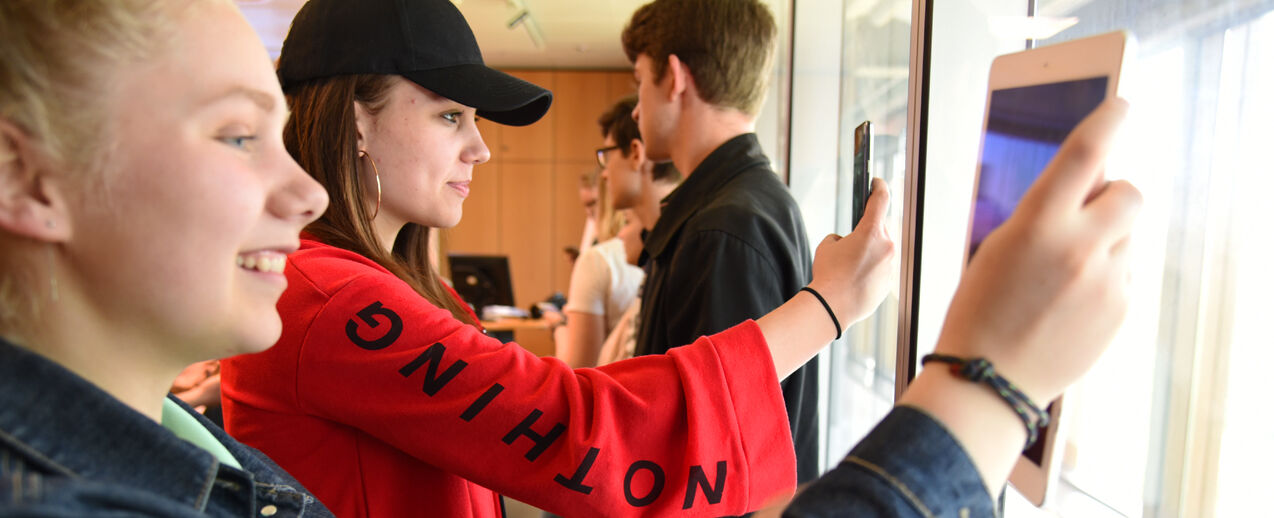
69	449
909	465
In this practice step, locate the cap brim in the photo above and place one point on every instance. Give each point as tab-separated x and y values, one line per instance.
498	96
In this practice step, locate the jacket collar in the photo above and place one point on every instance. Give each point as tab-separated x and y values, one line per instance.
64	424
717	169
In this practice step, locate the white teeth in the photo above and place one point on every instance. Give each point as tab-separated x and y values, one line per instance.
268	263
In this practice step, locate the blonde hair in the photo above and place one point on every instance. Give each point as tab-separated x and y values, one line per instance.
57	59
609	220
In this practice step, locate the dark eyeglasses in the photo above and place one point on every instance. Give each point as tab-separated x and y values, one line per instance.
601	154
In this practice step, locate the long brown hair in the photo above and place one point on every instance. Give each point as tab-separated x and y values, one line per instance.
321	135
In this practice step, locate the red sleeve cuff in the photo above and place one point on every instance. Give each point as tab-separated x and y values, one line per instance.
756	402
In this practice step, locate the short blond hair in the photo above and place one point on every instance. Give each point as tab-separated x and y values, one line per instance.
58	59
609	220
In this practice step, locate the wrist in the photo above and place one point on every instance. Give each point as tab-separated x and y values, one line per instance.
990	432
838	303
1033	377
980	371
831	315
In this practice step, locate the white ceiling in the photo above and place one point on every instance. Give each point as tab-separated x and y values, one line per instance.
576	33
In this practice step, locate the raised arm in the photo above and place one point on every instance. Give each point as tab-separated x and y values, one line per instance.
852	273
1041	300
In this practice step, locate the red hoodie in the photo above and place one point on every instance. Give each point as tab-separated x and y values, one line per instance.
384	405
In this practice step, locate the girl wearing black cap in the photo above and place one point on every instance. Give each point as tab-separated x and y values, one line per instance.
385	399
146	209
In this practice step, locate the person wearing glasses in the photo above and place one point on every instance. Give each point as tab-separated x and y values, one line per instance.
382	396
121	265
730	243
603	302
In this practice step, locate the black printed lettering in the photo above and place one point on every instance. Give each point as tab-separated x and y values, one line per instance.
368	315
481	402
699	478
433	356
542	442
656	486
576	482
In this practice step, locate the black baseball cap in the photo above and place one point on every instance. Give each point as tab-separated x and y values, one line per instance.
426	41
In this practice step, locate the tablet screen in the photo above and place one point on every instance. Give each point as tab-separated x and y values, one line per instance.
1025	126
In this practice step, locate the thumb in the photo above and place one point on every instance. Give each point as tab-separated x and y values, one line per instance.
877	206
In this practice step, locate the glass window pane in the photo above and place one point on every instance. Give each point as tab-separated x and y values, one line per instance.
1200	93
874	86
1247	439
1168	423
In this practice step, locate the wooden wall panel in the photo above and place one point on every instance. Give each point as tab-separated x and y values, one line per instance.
568	217
620	84
526	234
534	142
479	229
580	98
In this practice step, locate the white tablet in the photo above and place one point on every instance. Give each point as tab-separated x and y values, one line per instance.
1034	99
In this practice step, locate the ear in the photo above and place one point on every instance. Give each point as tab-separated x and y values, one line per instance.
636	152
679	74
362	123
32	203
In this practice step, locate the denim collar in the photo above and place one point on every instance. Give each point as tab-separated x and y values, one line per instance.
735	156
66	425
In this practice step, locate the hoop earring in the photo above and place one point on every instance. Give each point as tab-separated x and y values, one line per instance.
363	154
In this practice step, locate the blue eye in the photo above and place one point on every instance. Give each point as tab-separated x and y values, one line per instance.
452	117
241	142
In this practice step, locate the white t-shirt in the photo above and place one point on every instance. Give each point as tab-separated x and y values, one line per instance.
589	235
603	283
621	343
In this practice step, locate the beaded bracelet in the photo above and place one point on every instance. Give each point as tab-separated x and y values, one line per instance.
979	370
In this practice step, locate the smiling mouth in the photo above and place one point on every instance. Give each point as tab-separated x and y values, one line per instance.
265	262
461	187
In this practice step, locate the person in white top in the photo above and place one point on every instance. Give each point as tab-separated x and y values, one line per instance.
588	189
604	284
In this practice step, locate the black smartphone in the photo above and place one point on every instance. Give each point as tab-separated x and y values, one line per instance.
862	170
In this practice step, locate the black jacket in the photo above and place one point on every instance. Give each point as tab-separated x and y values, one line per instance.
730	245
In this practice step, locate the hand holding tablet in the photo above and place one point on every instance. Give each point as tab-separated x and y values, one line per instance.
1034	291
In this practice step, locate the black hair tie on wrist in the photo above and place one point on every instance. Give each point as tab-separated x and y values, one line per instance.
827	307
979	370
